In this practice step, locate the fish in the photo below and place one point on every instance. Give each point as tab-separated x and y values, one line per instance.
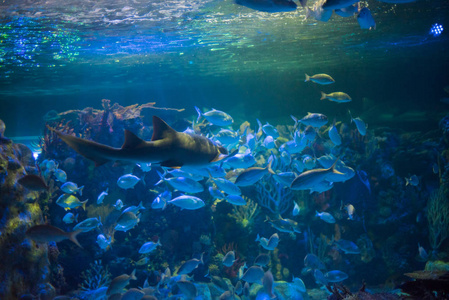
145	167
269	244
33	182
338	97
296	209
270	130
322	79
268	142
227	137
334	135
216	193
60	175
68	201
127	221
168	148
42	234
284	225
241	160
318	13
335	276
183	184
254	274
187	202
190	265
142	262
364	179
314	119
69	218
133	294
350	211
51	165
360	124
347	173
268	283
326	217
149	247
349	11
118	204
413	180
365	19
120	282
102	196
310	178
235	200
215	117
348	247
187	288
182	173
319	277
227	295
160	202
312	261
251	175
309	162
262	260
271	6
284	178
227	186
88	224
128	181
337	4
229	259
422	253
134	209
299	284
238	288
72	188
103	242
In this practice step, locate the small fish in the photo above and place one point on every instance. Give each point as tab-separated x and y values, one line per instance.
422	253
149	247
72	188
120	282
269	244
142	262
190	265
300	284
348	247
252	175
160	202
235	200
319	277
42	234
33	182
183	184
322	79
268	283
253	275
134	209
187	288
118	204
314	120
238	288
365	19
227	186
187	202
268	142
241	160
68	201
361	126
349	11
364	179
145	167
51	165
132	294
227	137
335	276
350	210
60	175
334	135
338	97
127	181
413	180
127	221
270	130
296	210
102	196
337	4
262	260
69	218
215	117
229	259
309	162
326	217
88	224
309	179
216	193
103	242
312	261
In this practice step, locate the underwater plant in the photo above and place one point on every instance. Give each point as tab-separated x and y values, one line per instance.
95	277
245	214
438	218
273	196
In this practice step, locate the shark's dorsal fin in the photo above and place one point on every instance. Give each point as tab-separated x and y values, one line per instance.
161	129
131	140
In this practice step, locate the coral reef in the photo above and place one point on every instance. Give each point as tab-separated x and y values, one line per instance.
438	218
245	215
96	277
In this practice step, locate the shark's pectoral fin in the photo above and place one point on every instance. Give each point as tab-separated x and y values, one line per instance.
219	157
171	164
131	140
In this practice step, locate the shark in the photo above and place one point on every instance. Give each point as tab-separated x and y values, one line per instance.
168	148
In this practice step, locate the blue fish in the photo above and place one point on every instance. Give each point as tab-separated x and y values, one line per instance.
365	19
270	6
364	179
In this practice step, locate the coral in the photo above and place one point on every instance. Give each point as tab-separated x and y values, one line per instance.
95	277
244	215
438	218
273	196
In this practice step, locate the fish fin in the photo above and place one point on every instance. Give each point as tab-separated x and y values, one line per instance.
72	236
84	204
333	167
199	113
161	129
407	182
131	140
133	275
323	96
270	170
171	163
307	78
80	190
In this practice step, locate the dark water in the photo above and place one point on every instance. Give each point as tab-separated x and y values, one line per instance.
64	55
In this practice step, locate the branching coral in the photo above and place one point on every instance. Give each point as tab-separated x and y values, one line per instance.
438	218
273	196
245	214
95	277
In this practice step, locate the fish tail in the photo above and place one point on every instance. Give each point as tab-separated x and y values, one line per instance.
323	96
333	167
307	78
270	170
80	190
258	238
199	114
133	275
84	204
407	181
72	236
